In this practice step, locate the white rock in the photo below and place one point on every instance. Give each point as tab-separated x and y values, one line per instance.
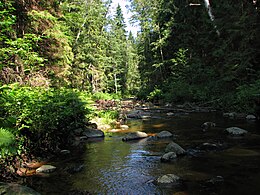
250	117
170	114
124	127
46	169
236	131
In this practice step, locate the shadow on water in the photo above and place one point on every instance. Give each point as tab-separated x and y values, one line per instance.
111	166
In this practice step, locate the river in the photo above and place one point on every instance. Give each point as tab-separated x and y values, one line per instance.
111	166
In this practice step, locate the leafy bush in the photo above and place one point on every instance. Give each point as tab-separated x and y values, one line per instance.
108	116
245	95
44	116
155	95
177	91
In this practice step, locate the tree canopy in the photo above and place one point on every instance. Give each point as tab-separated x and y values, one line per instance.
185	51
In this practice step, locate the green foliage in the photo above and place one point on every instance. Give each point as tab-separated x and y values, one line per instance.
105	96
245	96
22	49
7	141
177	91
108	116
44	116
195	58
156	94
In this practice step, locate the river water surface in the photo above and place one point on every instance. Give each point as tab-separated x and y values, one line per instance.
111	166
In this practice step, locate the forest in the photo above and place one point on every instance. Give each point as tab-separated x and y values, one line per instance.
59	56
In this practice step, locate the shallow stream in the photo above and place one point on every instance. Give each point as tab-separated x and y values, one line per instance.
111	166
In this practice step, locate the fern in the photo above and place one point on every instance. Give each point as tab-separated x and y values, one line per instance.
6	138
7	143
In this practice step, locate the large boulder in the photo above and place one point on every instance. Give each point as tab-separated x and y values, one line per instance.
236	131
93	133
135	135
164	134
13	189
173	147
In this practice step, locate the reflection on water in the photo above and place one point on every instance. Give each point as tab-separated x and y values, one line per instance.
118	167
115	167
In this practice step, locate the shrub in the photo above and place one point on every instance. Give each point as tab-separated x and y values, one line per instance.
108	116
155	95
44	116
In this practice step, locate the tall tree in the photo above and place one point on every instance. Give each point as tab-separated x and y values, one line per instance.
118	51
87	21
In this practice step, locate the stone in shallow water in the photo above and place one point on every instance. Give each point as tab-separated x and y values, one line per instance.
124	127
212	146
173	147
168	157
236	131
251	117
46	169
93	133
135	135
164	134
12	188
168	179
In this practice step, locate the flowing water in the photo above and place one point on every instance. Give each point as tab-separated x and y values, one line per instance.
111	166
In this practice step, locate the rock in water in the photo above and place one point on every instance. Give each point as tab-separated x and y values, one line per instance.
46	169
168	179
93	133
12	188
208	125
168	157
164	134
124	127
236	131
251	117
173	147
135	135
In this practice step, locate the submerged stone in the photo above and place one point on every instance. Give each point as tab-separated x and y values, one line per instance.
135	135
164	134
168	157
208	125
168	179
236	131
12	188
